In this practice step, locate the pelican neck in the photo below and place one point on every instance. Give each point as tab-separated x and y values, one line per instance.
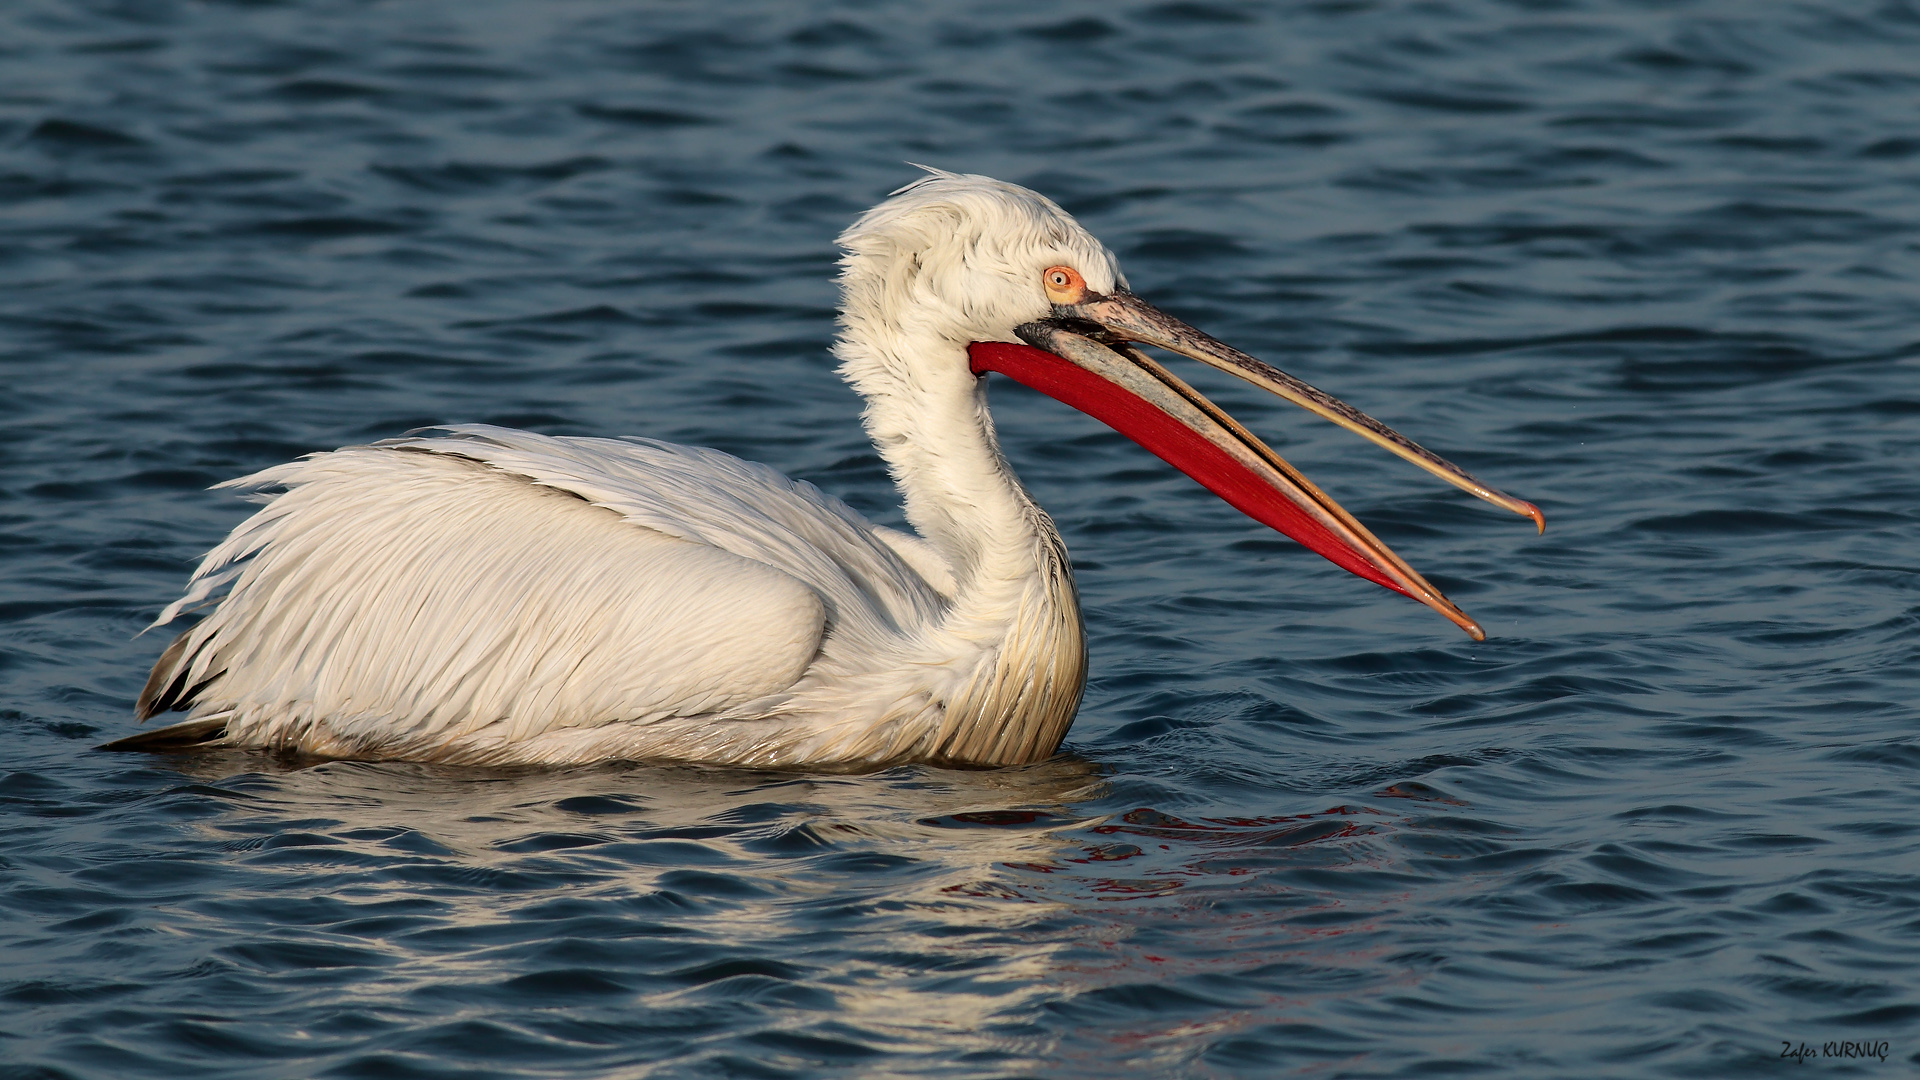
927	415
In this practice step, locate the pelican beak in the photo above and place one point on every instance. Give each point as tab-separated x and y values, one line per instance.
1084	356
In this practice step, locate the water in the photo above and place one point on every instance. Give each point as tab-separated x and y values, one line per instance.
1651	265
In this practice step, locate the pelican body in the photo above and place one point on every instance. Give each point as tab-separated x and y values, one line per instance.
480	595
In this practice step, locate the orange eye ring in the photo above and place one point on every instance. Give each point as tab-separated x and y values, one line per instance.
1064	284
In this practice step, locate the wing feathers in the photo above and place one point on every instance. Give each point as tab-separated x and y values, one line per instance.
720	501
394	600
166	688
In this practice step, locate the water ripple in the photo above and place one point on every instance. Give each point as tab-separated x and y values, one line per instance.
1653	268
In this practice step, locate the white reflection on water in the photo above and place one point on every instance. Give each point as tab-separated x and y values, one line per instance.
891	895
921	911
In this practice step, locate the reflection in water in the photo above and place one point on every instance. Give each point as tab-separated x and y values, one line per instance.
924	937
918	911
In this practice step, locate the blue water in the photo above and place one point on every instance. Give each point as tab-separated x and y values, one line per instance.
1652	265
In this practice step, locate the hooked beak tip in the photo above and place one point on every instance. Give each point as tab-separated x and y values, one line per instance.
1539	519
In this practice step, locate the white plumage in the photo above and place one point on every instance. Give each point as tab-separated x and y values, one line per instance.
483	595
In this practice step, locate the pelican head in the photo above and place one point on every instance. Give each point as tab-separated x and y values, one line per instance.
956	276
965	258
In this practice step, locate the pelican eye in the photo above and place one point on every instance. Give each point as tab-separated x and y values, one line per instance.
1064	284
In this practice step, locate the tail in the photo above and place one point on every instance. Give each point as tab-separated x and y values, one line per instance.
188	735
167	689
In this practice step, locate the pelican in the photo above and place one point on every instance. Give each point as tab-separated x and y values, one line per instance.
478	595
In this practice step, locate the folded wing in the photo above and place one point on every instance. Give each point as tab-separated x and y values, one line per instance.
491	587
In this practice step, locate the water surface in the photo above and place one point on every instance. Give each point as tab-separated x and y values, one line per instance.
1650	265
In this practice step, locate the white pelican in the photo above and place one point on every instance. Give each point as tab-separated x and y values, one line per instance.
490	596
